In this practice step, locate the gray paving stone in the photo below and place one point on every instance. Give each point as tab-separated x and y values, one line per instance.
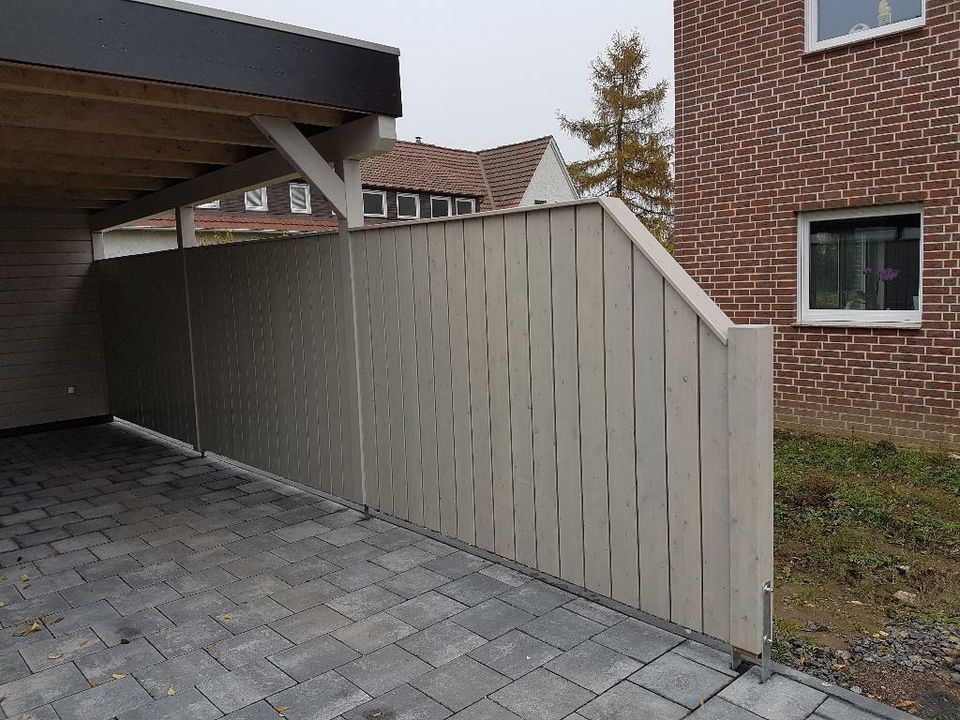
486	710
460	683
779	698
44	712
44	584
638	640
205	541
836	709
403	559
161	553
426	609
261	710
536	597
116	629
181	639
322	698
188	704
12	666
309	568
252	614
144	598
254	545
181	673
96	590
403	703
207	558
33	608
153	574
253	588
314	657
127	546
256	526
247	647
562	628
456	564
541	695
302	549
350	554
106	568
309	624
514	654
473	589
391	539
300	531
506	575
383	670
492	618
245	686
41	688
57	651
357	576
627	701
413	582
595	611
66	561
364	603
202	580
441	643
168	534
103	702
681	680
373	632
593	666
100	667
346	535
206	603
711	657
717	709
307	595
254	564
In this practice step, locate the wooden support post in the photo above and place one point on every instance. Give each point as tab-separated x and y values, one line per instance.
187	238
750	386
96	240
349	172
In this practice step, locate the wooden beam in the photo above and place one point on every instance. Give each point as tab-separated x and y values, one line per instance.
54	112
101	145
47	204
17	191
54	179
12	158
370	135
140	92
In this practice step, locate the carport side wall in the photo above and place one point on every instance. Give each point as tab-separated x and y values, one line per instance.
50	323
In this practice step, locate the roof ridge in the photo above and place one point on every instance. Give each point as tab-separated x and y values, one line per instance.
519	142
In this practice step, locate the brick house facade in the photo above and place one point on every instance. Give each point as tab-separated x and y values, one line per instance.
771	129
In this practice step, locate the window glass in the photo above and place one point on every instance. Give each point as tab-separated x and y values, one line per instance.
465	206
868	264
836	18
299	198
375	203
255	199
408	206
439	207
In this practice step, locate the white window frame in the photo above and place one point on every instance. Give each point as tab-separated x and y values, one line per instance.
383	195
210	205
852	318
815	45
447	200
416	199
472	201
306	188
262	192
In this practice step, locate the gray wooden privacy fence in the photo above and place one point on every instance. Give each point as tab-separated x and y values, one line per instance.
544	383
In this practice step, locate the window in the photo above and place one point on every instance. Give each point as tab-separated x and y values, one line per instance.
255	199
300	198
465	206
837	22
212	205
408	205
439	207
374	203
861	266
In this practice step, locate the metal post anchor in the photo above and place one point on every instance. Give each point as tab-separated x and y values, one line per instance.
767	647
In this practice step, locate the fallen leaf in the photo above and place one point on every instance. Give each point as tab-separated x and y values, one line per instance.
838	666
92	683
227	616
171	692
2	603
54	656
2	697
35	626
118	676
904	704
24	578
83	642
282	708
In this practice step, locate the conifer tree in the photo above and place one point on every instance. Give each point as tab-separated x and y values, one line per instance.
631	148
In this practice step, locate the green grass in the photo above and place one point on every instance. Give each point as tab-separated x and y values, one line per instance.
851	512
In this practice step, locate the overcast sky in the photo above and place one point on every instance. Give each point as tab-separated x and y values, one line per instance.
492	73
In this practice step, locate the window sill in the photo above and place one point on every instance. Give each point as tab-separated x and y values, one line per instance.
899	325
820	46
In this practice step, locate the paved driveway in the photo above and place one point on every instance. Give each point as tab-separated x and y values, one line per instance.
141	581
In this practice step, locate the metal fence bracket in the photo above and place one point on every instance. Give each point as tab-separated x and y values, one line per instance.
765	669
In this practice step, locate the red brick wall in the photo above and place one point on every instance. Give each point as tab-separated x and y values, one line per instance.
764	132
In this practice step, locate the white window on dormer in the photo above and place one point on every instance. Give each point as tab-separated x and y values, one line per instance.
374	203
408	206
839	22
300	198
465	206
256	199
439	206
212	205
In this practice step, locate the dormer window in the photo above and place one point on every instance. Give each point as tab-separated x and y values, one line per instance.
300	198
838	22
255	200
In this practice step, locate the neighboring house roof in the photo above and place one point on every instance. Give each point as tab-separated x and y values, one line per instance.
509	169
425	168
244	222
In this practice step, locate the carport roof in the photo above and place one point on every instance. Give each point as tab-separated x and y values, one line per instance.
105	103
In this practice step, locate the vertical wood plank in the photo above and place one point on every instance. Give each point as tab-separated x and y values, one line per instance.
294	408
313	378
567	381
715	484
333	368
521	421
347	451
473	231
593	433
259	454
621	451
437	250
683	461
651	438
460	382
499	373
408	364
380	391
391	320
358	249
427	391
542	389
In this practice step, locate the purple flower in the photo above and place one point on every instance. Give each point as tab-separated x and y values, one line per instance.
888	274
868	270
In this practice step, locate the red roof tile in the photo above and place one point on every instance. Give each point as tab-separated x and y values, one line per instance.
509	169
